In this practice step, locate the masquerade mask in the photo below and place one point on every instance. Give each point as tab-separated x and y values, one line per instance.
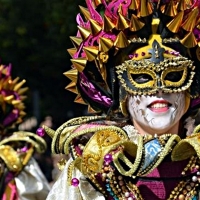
147	76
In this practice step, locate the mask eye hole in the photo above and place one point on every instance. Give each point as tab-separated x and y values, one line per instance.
141	78
174	76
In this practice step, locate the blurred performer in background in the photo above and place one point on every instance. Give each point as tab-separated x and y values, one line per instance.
20	175
136	63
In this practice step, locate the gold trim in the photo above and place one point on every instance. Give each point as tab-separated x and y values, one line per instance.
11	158
137	153
168	83
129	67
190	147
37	142
142	70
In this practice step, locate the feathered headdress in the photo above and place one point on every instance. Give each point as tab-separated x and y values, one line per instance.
120	40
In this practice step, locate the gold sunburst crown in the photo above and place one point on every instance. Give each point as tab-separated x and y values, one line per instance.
110	31
12	95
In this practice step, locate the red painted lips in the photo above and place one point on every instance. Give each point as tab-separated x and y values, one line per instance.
159	106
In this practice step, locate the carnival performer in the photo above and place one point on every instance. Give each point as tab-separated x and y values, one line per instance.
20	175
136	64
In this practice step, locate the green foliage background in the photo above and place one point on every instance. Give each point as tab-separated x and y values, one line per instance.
34	36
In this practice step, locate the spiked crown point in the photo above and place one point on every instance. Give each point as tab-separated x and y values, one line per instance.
95	27
190	22
76	41
121	41
122	23
85	33
175	24
170	9
135	23
91	53
108	24
85	12
79	63
145	8
105	44
78	99
72	87
182	5
189	40
72	51
72	74
134	5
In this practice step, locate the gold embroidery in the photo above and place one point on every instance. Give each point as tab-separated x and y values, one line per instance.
98	146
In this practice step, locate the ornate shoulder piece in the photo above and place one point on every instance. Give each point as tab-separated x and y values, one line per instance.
16	150
188	147
94	145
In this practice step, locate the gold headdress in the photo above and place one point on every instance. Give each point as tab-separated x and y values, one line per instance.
11	99
137	47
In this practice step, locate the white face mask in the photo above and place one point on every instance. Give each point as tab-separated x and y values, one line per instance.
157	114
